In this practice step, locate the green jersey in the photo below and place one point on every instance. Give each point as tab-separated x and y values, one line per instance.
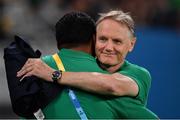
94	105
134	107
141	76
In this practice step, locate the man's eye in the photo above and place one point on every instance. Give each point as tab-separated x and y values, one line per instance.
102	39
118	42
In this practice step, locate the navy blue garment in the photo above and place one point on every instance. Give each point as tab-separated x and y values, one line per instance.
31	93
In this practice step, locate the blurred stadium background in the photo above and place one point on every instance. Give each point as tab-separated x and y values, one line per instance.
157	48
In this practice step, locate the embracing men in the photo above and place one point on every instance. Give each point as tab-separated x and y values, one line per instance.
105	87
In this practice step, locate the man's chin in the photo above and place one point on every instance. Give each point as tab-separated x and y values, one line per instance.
107	63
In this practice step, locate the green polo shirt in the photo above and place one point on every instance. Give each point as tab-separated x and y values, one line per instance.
134	107
141	76
94	105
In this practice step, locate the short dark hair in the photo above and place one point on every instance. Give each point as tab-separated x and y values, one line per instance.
74	28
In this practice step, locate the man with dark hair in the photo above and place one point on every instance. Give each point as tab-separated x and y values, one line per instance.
73	59
75	32
74	29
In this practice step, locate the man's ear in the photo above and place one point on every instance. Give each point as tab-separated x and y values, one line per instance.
132	44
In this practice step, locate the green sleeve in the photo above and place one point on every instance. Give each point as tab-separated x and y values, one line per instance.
143	79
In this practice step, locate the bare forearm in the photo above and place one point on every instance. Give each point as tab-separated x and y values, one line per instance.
115	84
93	82
112	84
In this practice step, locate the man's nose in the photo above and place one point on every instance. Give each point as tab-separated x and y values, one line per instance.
109	46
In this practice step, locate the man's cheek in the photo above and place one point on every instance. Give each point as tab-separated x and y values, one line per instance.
119	56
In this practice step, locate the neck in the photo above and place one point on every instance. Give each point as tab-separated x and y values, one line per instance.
83	48
111	69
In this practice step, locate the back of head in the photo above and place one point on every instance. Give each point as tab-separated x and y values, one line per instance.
119	16
73	29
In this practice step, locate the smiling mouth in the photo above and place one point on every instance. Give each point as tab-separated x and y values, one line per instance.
108	55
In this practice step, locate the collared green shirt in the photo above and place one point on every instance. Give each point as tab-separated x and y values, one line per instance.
94	105
134	107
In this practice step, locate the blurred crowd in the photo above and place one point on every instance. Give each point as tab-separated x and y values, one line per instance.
36	18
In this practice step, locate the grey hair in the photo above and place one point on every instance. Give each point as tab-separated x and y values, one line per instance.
119	16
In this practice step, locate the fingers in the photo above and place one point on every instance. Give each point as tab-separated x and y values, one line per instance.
26	75
37	68
25	68
28	69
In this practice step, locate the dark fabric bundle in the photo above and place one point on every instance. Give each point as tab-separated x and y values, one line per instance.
31	93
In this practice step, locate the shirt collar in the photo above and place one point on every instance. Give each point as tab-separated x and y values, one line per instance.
74	54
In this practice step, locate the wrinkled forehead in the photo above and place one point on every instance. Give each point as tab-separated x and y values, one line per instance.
110	26
118	22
